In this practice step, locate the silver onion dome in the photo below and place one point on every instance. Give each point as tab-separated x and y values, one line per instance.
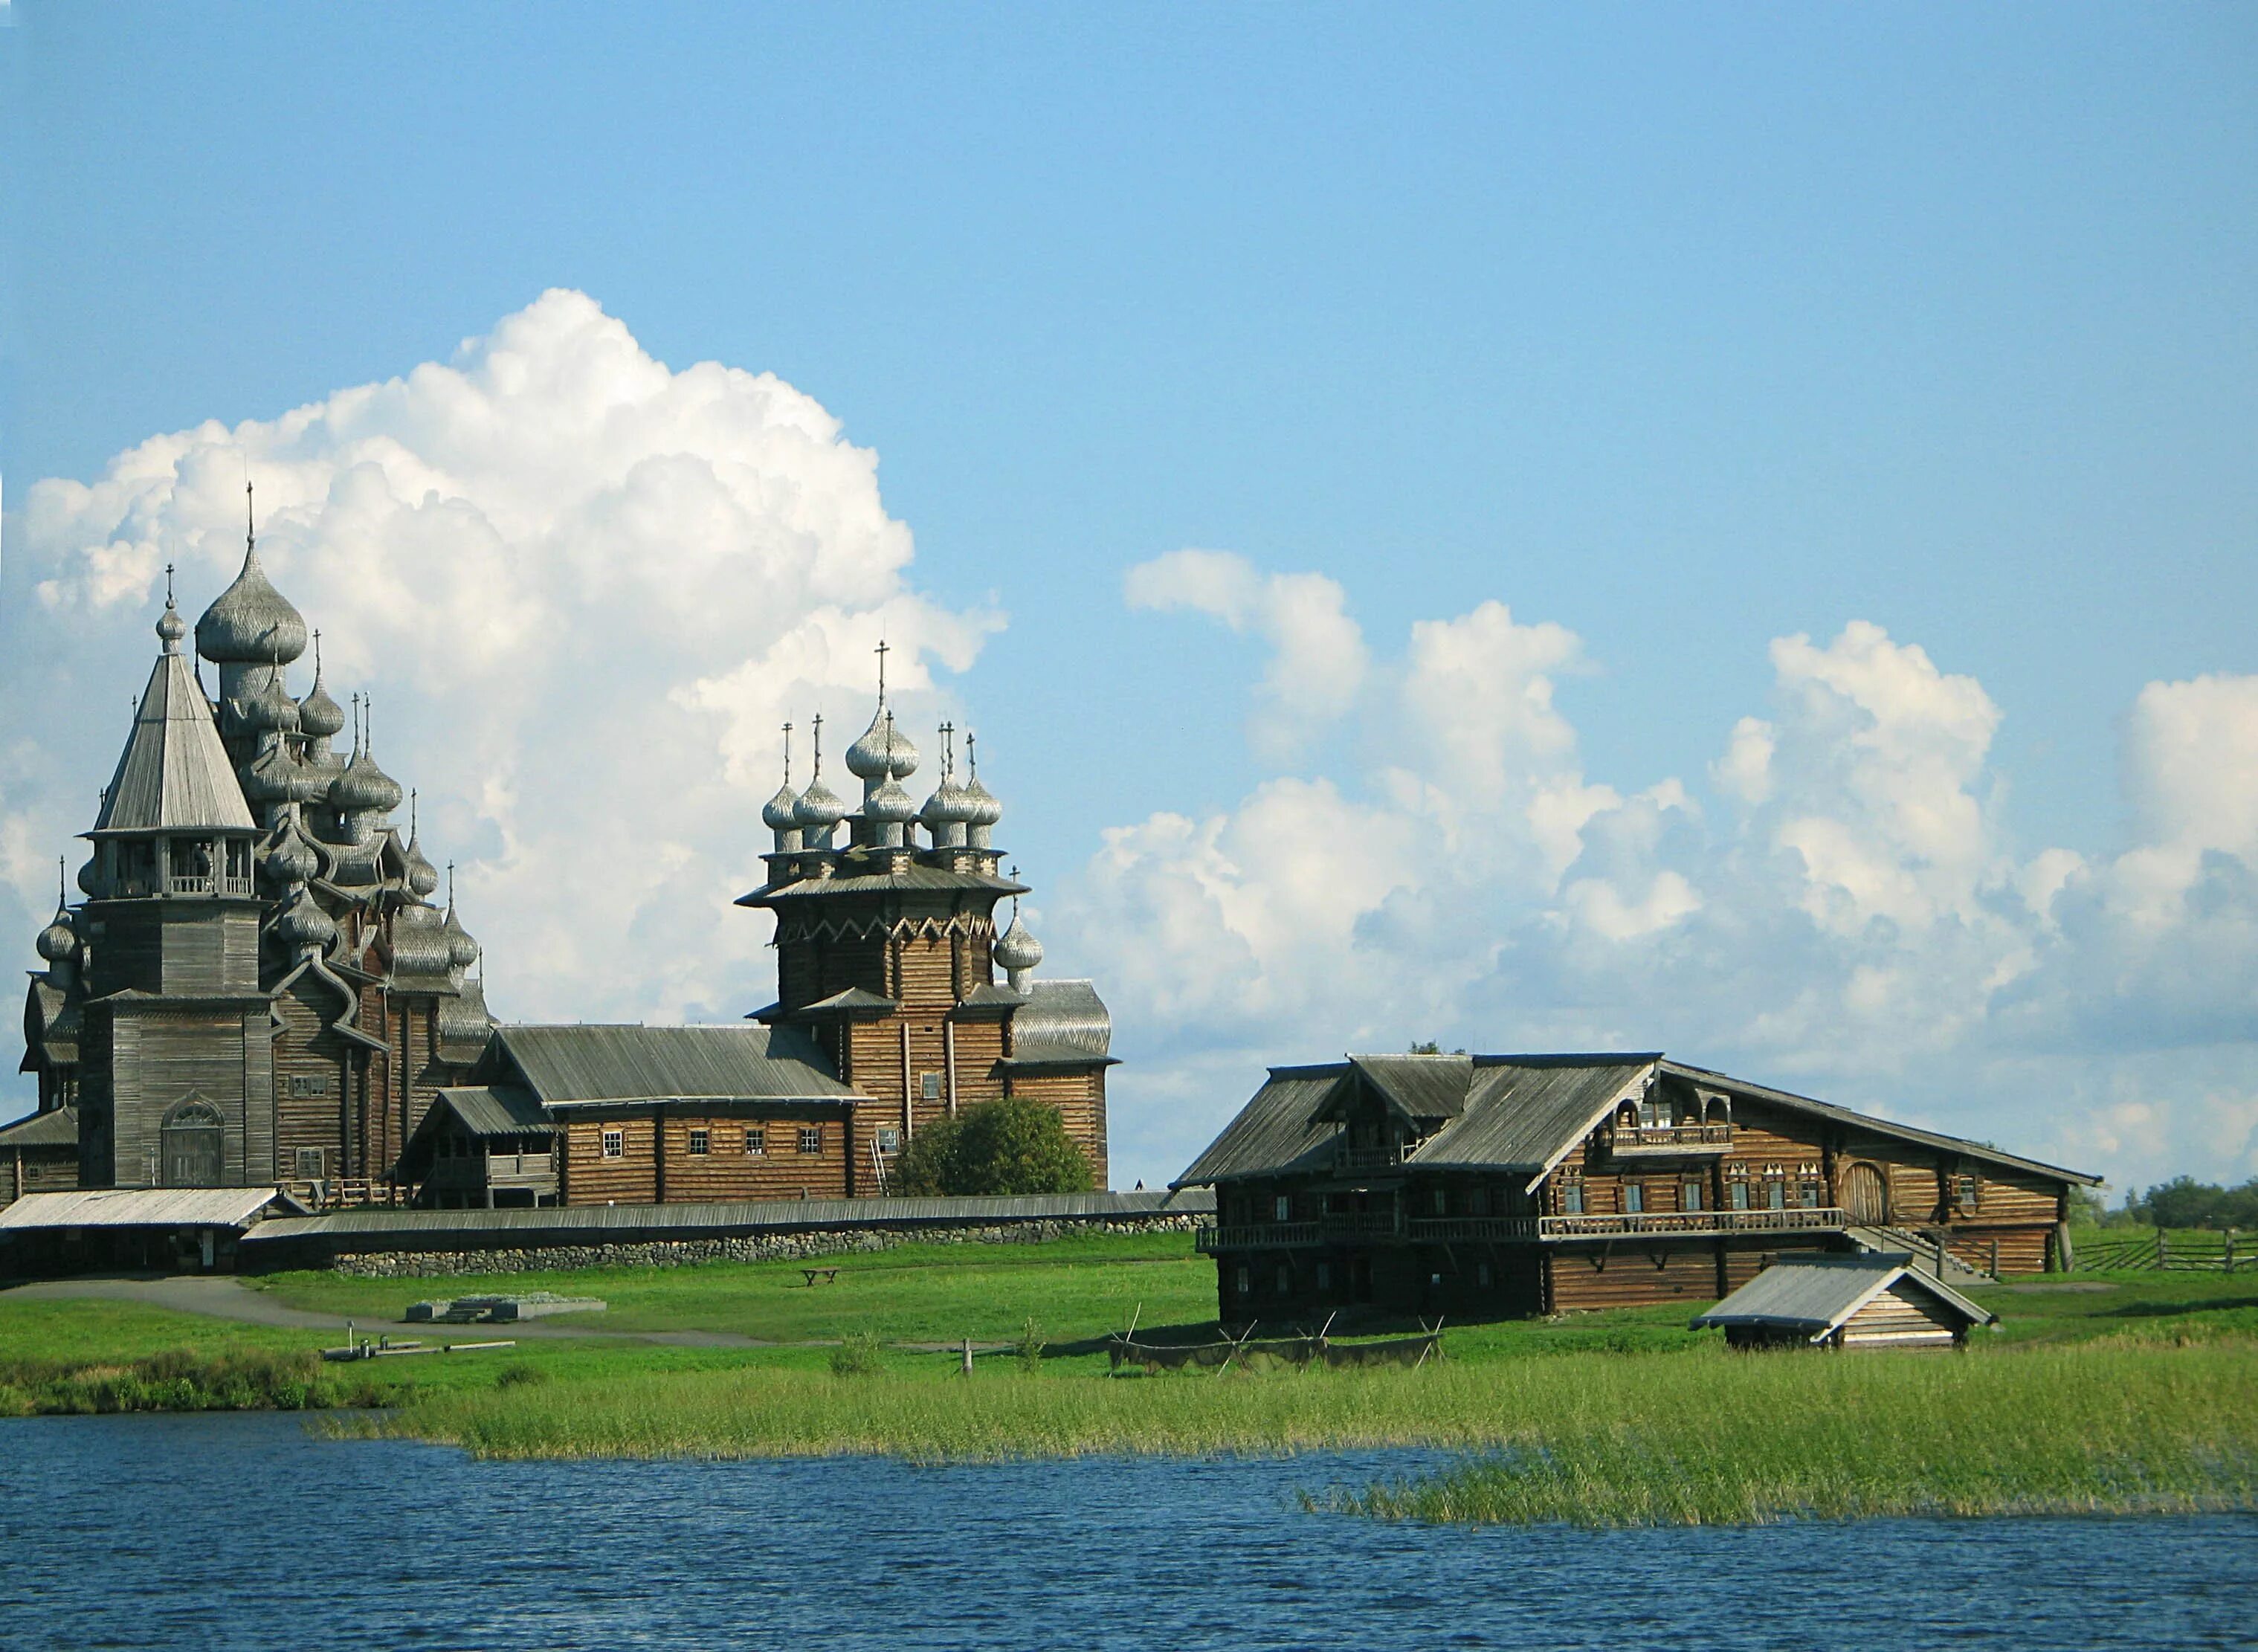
269	705
883	750
272	776
982	806
318	714
170	627
460	947
364	788
305	924
422	877
818	806
888	804
58	940
1017	949
251	623
290	858
780	814
949	805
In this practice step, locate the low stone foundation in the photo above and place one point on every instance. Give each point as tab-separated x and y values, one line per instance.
785	1246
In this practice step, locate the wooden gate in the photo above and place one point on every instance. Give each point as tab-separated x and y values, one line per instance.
1865	1195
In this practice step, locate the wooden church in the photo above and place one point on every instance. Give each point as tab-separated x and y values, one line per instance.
257	988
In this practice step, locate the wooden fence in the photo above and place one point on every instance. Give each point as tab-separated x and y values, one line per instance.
2193	1251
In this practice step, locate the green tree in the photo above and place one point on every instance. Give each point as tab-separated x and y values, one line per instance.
1011	1146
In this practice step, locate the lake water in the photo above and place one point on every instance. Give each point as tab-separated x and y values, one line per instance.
187	1533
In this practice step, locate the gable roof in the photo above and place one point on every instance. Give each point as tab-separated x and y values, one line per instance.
140	1207
489	1111
57	1127
174	773
1513	1112
1518	1113
1879	1126
567	1064
1816	1294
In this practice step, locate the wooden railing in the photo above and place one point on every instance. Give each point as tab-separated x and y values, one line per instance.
1366	1158
1628	1139
350	1193
1676	1223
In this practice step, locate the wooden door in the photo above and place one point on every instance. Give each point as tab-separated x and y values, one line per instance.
1865	1195
192	1156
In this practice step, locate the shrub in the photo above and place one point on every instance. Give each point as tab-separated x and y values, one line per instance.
521	1376
857	1355
1030	1346
1010	1145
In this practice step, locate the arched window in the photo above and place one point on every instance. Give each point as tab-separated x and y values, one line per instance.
193	1140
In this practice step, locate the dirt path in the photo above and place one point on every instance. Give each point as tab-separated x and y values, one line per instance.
218	1296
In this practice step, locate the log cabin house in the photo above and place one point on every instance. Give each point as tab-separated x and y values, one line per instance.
1492	1186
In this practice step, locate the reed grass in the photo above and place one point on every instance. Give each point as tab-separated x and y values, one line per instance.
1599	1439
182	1380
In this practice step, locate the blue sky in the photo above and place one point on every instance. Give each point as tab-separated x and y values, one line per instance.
1682	332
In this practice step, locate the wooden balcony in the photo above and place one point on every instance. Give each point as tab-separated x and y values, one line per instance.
1355	1159
1670	1141
1690	1224
1386	1230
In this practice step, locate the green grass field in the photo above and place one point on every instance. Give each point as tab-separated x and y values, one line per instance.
2123	1393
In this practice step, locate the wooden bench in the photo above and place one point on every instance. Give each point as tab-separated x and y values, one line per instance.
828	1275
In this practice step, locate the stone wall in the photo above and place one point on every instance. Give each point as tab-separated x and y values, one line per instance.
783	1245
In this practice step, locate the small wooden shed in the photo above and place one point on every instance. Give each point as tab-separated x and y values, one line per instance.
1875	1300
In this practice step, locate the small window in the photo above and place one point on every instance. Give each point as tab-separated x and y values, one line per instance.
1246	1282
1634	1196
1325	1276
756	1143
1482	1276
699	1141
616	1143
929	1086
1737	1195
890	1141
811	1138
310	1165
1441	1201
1571	1198
1963	1192
1478	1202
1282	1209
1776	1195
1808	1193
1285	1280
1689	1195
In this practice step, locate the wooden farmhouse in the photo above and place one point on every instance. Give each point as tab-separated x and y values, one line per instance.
258	990
1488	1187
1868	1302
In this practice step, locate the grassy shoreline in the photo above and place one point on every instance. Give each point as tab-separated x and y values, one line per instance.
2124	1394
1699	1437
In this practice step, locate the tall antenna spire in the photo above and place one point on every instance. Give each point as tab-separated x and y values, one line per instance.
411	814
450	886
355	725
948	752
169	584
817	772
62	890
883	652
971	756
787	755
250	529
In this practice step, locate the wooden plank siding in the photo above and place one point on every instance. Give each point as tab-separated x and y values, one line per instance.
655	1165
